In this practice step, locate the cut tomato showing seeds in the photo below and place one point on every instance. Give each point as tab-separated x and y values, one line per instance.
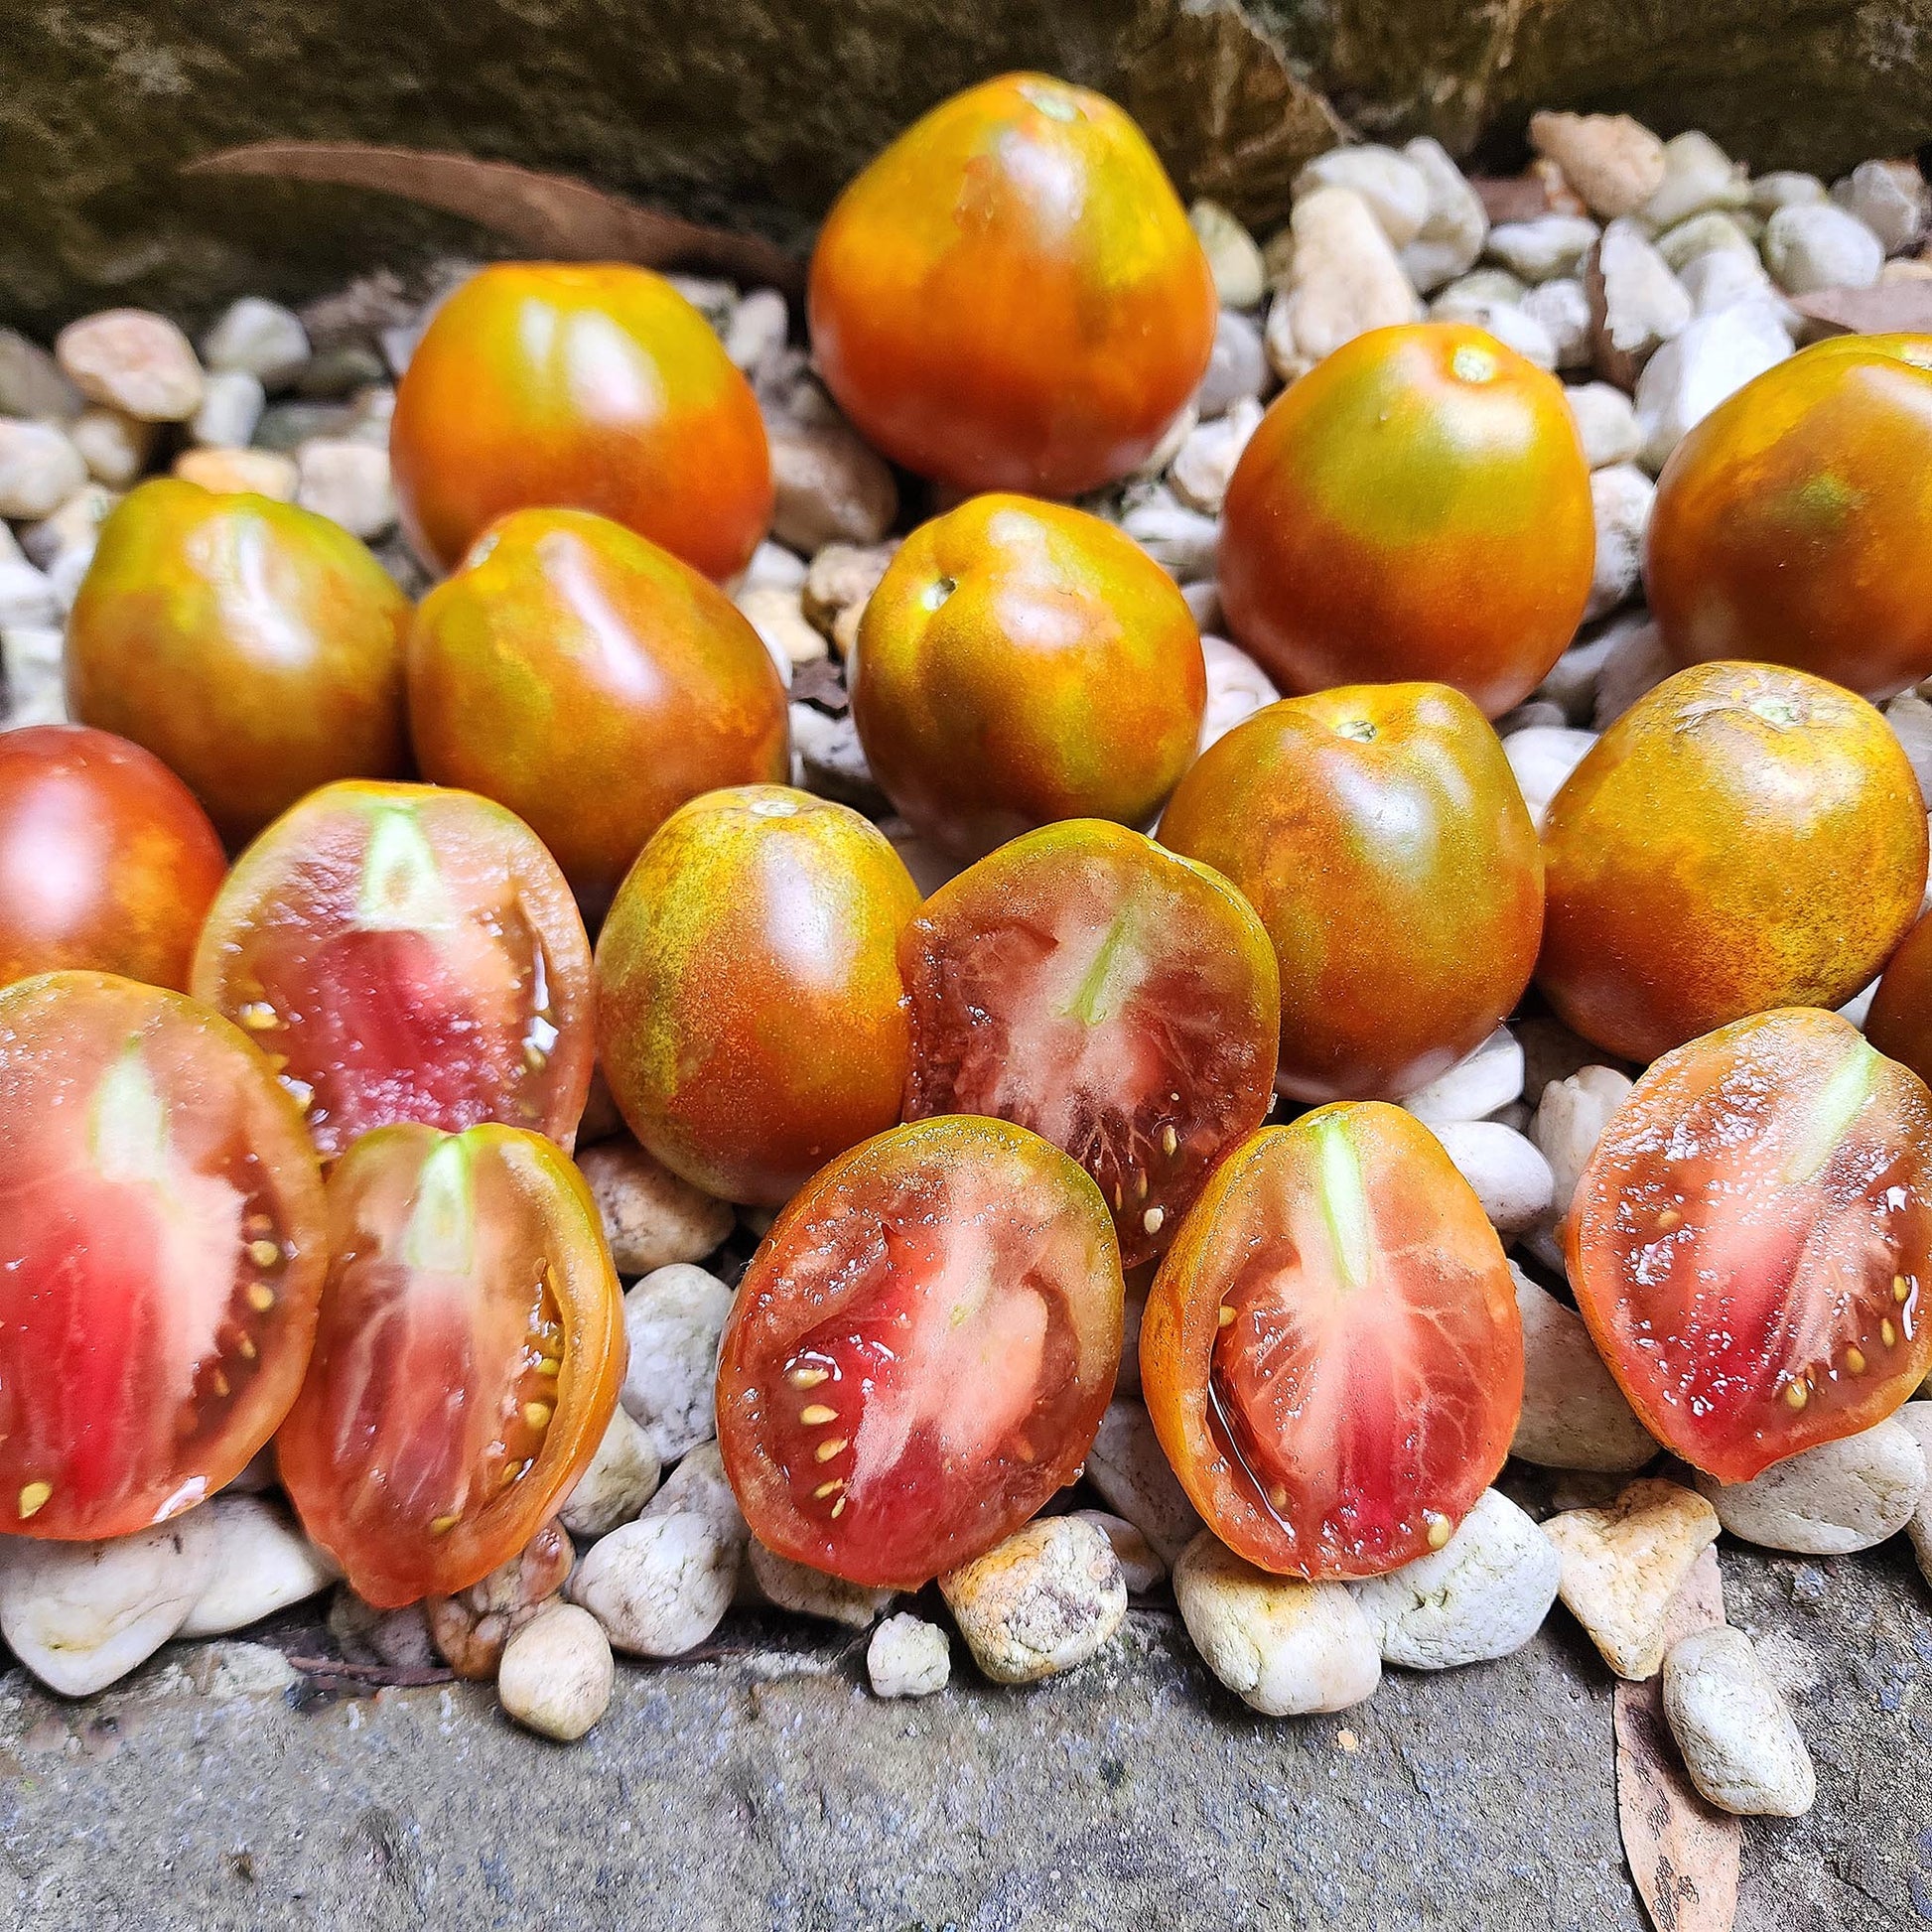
921	1352
1332	1354
1749	1242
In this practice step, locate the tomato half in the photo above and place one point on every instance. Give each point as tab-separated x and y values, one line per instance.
162	1245
468	1359
1117	999
1749	1242
921	1352
404	952
1332	1353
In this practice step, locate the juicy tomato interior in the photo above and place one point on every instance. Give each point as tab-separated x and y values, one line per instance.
921	1352
162	1246
1332	1353
467	1361
1749	1240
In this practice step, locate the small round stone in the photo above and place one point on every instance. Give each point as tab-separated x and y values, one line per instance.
1736	1732
1830	1500
132	360
262	473
557	1673
40	469
1042	1601
908	1658
651	1218
674	1318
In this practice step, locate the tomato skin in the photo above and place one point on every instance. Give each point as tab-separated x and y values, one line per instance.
1743	837
1899	1022
1379	832
1240	1398
1417	506
1021	662
591	386
254	649
1791	525
751	1019
105	858
145	1353
589	682
461	1263
1010	296
899	1284
1758	1217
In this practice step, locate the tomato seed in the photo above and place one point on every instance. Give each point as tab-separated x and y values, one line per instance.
261	1297
33	1497
815	1415
826	1450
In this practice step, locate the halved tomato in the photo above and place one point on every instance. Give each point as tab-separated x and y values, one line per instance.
162	1246
1332	1354
406	953
468	1361
920	1351
1117	999
1749	1242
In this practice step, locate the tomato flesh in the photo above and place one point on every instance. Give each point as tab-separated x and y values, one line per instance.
1748	1243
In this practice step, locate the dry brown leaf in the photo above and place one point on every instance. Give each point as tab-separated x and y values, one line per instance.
1683	1853
550	215
1887	307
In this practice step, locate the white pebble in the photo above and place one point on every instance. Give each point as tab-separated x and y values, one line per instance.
262	473
775	567
232	401
778	617
1233	259
1237	687
1560	309
1140	1563
1736	1732
1634	661
1344	280
1510	1176
27	598
831	487
1698	174
1395	189
1821	246
115	448
557	1673
1204	463
1712	358
1540	249
757	330
30	657
829	759
651	1216
1574	1416
805	1591
258	338
1543	758
1713	233
1910	719
1620	501
1782	188
1490	1077
908	1658
673	1320
132	360
399	1638
1830	1500
32	382
1615	164
1042	1601
1129	1470
1450	240
40	469
259	1562
347	481
1636	303
622	1478
1606	422
1237	366
1916	1420
1569	1119
1181	541
1717	281
1891	198
1469	295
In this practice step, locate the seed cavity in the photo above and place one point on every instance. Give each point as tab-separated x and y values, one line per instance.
33	1497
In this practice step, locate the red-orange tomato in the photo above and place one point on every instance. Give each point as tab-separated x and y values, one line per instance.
1021	662
750	1015
1380	834
1899	1022
1793	524
1332	1353
1417	506
105	858
593	387
590	682
1009	297
1752	1241
466	1363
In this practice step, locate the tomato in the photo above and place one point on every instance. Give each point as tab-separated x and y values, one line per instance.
594	388
1119	1001
466	1363
750	1015
1009	297
921	1352
162	1246
252	647
1899	1022
105	858
1021	662
1332	1354
1743	837
590	682
405	953
1417	506
1792	524
1749	1242
1379	833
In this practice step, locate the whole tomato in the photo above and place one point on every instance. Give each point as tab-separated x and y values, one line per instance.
589	682
1793	524
1743	837
255	648
1023	662
1901	1020
105	858
597	387
1009	297
751	1019
1379	833
1417	506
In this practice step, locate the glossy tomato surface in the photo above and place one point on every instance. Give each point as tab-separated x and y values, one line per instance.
1743	837
254	649
1379	833
1899	1022
1417	506
1009	297
105	858
921	1352
1117	999
751	1019
1332	1353
587	386
405	953
1749	1242
162	1247
467	1363
1793	524
593	683
1021	662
